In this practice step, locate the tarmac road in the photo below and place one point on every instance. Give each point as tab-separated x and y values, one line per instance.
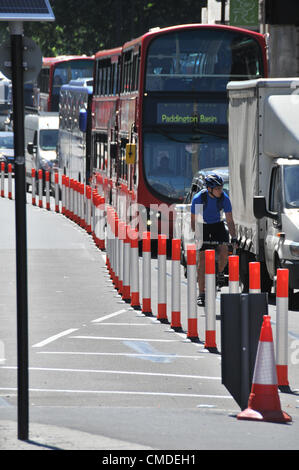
103	376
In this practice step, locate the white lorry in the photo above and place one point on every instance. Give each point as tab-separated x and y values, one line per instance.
41	137
264	176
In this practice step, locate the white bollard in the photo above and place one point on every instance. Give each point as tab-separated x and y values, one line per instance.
9	169
40	188
146	273
134	270
56	181
63	194
210	299
282	304
162	289
2	178
33	186
191	293
88	209
47	176
121	237
126	296
176	285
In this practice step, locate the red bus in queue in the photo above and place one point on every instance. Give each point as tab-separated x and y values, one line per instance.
162	97
55	72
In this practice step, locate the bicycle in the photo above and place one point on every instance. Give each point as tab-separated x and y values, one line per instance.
220	276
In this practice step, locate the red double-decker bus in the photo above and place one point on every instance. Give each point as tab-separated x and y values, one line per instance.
55	72
164	96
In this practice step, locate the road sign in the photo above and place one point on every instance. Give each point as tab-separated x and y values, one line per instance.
32	59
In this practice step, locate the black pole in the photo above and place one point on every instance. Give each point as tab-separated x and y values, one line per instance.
223	2
21	237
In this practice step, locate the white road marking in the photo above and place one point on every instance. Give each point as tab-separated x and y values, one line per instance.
173	356
121	392
54	338
106	317
126	324
127	339
118	372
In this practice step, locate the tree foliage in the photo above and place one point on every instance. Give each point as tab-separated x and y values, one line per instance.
86	26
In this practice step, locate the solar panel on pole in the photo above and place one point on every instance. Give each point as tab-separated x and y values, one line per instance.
26	10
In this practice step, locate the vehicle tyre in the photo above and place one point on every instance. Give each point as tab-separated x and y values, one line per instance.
266	281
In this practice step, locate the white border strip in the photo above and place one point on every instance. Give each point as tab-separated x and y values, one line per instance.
97	320
118	372
116	392
53	338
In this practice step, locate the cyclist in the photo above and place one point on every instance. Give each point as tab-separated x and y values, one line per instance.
213	200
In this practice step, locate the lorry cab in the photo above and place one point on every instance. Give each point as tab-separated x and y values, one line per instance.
41	136
282	219
264	168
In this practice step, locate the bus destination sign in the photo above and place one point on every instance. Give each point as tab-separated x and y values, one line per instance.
192	113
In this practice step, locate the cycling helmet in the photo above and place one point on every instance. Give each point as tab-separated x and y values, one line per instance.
213	180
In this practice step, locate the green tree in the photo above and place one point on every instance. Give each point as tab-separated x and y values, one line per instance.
84	27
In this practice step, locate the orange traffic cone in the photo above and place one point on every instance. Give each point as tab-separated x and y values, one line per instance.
264	402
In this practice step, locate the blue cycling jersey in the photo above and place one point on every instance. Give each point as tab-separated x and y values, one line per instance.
211	212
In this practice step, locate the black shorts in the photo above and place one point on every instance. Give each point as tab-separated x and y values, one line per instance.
214	233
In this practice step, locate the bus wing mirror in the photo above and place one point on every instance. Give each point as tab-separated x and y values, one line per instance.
130	154
83	120
260	209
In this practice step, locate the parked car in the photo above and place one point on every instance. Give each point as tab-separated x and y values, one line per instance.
7	154
183	211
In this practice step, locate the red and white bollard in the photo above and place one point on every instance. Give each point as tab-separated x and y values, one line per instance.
33	186
176	285
146	273
78	206
210	299
121	238
56	181
88	209
126	296
40	188
9	169
115	223
108	247
67	196
192	332
101	214
233	274
82	205
2	178
254	278
71	199
134	270
47	174
63	194
282	304
162	287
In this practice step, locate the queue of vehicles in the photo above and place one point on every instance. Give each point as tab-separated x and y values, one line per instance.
148	101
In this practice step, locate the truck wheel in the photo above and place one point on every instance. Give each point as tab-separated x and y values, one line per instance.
183	263
244	272
266	281
291	299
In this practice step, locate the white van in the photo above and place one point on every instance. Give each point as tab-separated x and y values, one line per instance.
41	136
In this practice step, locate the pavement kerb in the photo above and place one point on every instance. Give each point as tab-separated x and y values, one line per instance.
48	437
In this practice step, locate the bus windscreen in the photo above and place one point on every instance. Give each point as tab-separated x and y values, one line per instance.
201	60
